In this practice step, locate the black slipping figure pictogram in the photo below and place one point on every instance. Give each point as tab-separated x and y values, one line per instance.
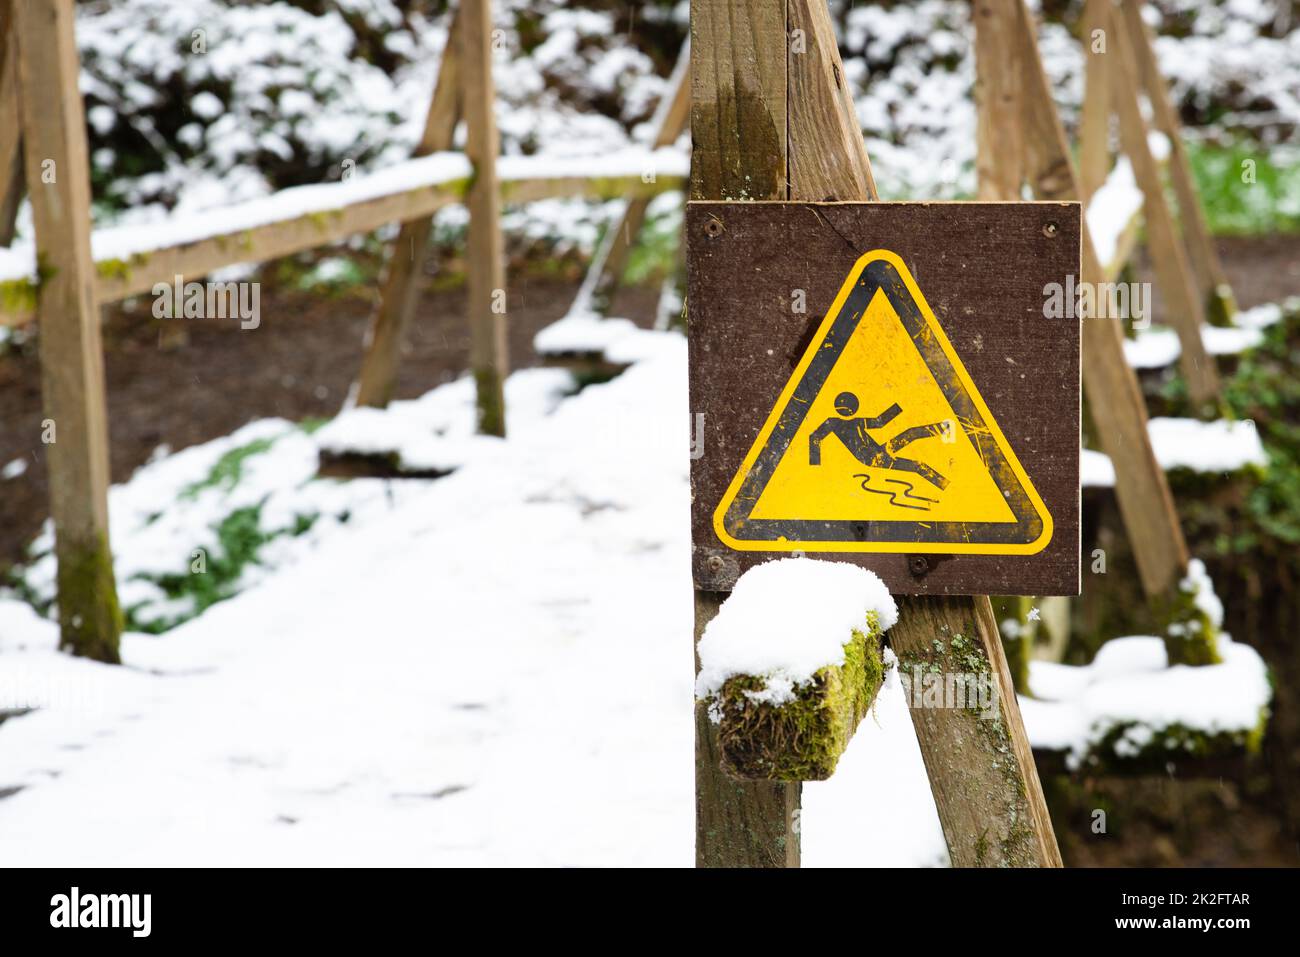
853	433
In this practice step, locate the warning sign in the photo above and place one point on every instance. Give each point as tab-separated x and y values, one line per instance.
881	442
880	384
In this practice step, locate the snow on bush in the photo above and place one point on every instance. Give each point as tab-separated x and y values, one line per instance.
1129	703
211	101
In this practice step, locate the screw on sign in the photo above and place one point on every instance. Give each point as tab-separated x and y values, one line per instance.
929	435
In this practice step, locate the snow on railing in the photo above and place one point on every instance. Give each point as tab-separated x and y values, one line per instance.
132	258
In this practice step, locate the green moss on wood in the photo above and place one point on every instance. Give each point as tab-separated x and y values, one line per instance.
120	269
458	187
802	739
1191	636
1220	306
18	296
491	402
90	619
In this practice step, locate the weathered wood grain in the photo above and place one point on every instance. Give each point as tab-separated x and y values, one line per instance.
485	251
738	99
981	768
1206	266
1184	307
739	94
1094	121
999	147
827	160
72	362
378	375
1114	396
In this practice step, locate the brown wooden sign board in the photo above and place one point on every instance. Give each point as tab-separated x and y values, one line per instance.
880	383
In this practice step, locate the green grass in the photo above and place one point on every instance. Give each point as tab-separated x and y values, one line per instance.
1235	206
228	468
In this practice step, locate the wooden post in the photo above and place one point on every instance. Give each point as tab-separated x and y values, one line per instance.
11	159
1184	306
981	767
1094	123
485	253
1114	397
999	151
378	376
737	823
827	158
1206	265
739	151
72	363
761	132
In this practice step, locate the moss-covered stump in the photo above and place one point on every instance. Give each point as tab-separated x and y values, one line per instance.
588	368
1131	750
350	465
799	733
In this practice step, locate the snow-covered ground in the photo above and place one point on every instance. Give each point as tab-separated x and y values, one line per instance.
487	668
493	668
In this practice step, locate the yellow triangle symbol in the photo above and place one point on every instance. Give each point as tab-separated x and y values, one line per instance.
880	442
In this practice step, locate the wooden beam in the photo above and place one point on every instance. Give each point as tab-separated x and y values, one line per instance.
803	738
738	127
118	279
1094	123
11	159
378	376
1184	307
980	764
271	241
738	99
827	159
72	362
999	135
12	187
485	251
1114	396
1211	280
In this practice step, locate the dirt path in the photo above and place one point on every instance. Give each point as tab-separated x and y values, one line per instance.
298	363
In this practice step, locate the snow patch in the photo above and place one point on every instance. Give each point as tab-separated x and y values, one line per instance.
1219	446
